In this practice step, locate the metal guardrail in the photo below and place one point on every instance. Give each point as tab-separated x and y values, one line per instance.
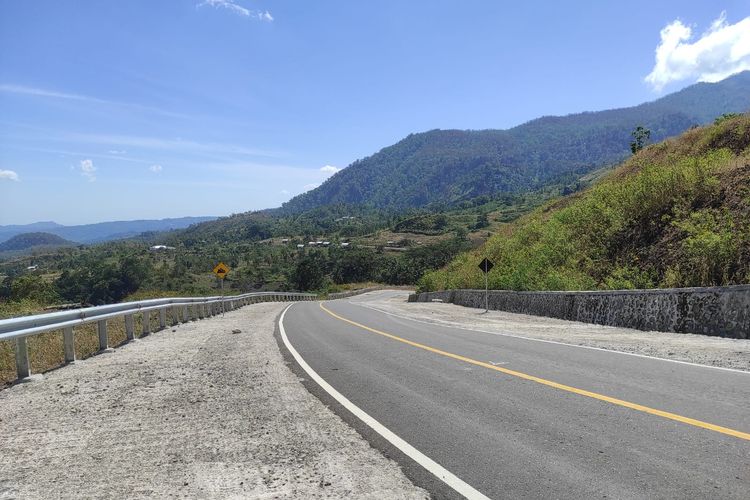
183	310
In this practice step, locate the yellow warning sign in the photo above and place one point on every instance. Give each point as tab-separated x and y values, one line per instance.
221	270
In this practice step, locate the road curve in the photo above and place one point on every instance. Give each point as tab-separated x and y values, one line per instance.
515	418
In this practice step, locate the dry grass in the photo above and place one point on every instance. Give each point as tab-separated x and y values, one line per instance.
46	350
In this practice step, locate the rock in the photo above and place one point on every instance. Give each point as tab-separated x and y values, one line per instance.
236	330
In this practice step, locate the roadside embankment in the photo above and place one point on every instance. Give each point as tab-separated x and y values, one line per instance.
718	311
193	411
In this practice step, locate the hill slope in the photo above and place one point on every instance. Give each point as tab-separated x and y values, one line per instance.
676	214
446	166
26	241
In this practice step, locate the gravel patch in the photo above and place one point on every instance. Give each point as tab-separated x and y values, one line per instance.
199	411
701	349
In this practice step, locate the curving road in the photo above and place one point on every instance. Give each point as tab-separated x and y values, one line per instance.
506	417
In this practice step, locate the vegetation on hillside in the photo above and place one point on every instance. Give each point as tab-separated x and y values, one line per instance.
451	166
28	240
676	214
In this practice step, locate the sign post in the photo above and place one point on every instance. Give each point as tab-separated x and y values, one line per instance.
486	265
221	270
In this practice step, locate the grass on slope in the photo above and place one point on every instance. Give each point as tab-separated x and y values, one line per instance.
676	214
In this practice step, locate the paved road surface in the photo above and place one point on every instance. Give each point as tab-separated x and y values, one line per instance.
591	424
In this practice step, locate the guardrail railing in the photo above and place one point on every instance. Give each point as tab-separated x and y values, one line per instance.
183	310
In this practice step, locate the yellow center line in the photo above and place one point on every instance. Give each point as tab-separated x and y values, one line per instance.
550	383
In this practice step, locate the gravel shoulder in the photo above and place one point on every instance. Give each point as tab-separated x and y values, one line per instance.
701	349
194	411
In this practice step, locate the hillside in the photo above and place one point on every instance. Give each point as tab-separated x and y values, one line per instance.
27	241
676	214
448	166
102	231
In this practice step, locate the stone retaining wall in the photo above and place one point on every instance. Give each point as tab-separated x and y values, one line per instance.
718	311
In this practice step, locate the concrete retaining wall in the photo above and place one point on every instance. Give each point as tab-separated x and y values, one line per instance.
718	311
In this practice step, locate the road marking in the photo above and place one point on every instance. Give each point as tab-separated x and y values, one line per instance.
439	322
550	383
430	465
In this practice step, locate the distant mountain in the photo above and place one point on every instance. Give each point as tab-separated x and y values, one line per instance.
447	166
27	241
102	231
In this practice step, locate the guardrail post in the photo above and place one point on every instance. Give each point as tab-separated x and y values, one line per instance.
69	345
163	317
146	323
23	368
129	329
175	315
101	327
185	314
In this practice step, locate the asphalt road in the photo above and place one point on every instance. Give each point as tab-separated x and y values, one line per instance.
517	418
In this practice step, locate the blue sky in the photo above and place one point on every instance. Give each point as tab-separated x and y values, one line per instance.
114	110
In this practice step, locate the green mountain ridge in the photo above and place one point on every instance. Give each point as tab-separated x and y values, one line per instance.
449	166
677	214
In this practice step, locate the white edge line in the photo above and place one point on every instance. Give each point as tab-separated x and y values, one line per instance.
450	325
430	465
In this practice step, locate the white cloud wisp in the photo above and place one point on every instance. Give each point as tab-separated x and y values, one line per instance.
88	170
9	175
237	9
155	168
329	170
721	51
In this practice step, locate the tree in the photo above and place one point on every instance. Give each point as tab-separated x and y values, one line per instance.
309	273
640	135
32	287
482	221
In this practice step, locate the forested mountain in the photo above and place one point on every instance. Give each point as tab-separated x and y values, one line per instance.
446	166
677	214
26	241
101	231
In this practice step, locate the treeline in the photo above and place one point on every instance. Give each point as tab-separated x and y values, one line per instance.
321	268
109	273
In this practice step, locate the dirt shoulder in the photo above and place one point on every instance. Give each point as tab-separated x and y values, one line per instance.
702	349
194	411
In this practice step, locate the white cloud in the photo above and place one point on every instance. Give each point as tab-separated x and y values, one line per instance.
329	169
162	144
9	175
237	9
117	152
308	187
719	52
284	192
88	169
155	168
32	91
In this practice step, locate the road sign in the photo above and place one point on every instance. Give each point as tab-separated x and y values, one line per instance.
221	270
486	265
